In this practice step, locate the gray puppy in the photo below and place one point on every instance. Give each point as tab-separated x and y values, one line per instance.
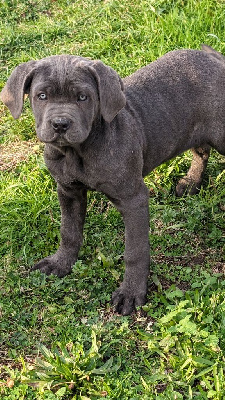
103	133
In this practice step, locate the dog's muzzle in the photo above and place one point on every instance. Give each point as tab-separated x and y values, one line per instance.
60	124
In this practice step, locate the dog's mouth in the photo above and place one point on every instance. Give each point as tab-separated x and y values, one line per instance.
59	140
49	136
63	129
70	138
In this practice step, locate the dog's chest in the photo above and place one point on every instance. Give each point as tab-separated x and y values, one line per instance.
69	167
95	170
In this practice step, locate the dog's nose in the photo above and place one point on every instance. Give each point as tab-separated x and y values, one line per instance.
60	124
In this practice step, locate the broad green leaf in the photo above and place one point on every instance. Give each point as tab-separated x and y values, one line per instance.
61	391
212	341
157	282
204	372
203	361
46	352
106	368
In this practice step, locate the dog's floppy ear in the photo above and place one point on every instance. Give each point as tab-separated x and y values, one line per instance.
110	87
16	86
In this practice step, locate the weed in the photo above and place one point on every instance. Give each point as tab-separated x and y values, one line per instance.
189	341
68	368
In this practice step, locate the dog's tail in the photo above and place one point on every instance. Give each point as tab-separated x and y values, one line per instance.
213	52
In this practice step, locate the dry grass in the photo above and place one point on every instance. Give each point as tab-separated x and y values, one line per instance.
11	154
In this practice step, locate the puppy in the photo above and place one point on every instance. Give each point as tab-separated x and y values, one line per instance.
104	133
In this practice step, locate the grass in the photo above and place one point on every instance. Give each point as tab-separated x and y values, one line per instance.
60	338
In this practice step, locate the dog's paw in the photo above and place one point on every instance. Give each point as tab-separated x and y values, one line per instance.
49	266
125	302
187	186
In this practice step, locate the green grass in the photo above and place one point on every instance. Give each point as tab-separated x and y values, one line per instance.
60	338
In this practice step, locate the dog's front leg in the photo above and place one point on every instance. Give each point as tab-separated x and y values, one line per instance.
133	290
73	202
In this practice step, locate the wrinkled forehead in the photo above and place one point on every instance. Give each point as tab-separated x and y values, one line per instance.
63	71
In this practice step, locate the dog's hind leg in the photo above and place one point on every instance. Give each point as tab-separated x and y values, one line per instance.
191	183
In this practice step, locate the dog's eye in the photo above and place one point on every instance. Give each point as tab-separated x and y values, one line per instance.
82	97
42	96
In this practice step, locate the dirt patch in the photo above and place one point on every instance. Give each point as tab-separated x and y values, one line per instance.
219	268
189	260
11	154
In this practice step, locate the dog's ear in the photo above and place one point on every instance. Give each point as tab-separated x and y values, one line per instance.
17	86
110	87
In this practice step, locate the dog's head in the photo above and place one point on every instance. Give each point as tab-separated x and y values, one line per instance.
67	94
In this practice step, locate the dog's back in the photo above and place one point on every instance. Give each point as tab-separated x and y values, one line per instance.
179	98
